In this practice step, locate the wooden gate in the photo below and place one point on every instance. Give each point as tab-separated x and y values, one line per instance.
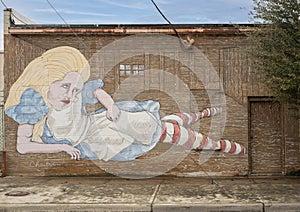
266	145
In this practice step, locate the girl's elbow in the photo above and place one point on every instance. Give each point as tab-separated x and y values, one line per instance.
21	148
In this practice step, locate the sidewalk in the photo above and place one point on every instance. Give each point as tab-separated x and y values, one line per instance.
157	194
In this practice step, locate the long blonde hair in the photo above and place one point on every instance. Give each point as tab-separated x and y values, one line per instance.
40	73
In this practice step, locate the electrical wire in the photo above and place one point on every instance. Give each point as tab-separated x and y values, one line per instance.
16	17
57	13
12	13
185	44
68	25
2	2
169	22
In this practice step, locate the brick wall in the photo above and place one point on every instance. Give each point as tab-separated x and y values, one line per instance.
226	54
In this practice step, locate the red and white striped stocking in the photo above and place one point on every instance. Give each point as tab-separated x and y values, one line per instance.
173	132
186	119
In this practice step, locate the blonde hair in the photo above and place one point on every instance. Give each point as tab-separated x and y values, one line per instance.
40	73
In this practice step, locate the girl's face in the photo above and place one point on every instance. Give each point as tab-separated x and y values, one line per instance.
63	92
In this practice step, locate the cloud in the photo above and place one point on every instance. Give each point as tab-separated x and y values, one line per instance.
73	12
134	4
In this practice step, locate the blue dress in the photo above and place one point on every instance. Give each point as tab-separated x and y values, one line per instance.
32	109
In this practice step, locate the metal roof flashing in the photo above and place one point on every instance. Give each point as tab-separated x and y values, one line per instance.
129	28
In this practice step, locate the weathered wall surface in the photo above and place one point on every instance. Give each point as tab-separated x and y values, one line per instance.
225	52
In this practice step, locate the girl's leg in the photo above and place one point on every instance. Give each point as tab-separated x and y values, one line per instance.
186	119
179	135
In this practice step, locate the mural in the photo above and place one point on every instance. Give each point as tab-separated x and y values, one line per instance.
49	100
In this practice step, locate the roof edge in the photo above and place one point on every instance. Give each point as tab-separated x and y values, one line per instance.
131	28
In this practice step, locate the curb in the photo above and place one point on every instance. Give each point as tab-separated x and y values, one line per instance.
255	207
279	207
73	207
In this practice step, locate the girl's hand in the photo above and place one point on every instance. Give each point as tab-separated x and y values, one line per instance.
113	113
74	152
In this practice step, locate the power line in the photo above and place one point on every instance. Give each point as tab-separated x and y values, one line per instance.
4	4
55	10
12	13
57	13
169	22
187	44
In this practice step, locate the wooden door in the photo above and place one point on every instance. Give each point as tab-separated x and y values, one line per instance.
266	142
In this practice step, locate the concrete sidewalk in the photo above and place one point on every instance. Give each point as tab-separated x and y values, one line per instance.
157	194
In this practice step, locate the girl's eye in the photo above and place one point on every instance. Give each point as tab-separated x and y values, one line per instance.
66	86
76	90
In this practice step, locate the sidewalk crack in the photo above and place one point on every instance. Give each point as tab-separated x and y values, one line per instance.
154	195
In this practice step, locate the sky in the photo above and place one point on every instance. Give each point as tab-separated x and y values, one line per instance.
131	11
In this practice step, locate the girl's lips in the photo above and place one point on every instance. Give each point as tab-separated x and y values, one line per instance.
65	101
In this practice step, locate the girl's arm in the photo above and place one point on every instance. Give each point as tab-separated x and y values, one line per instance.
113	112
26	145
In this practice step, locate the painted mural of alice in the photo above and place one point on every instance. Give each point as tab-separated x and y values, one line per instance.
48	102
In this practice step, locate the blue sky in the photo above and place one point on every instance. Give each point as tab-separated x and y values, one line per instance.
131	11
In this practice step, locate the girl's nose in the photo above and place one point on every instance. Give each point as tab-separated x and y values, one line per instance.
70	94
